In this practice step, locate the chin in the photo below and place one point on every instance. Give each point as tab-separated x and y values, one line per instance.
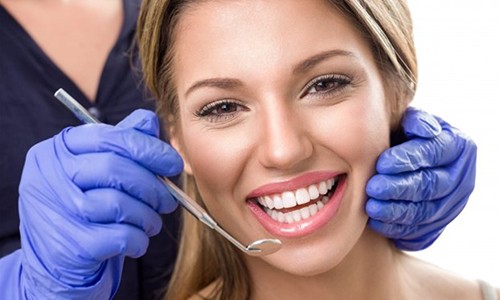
321	254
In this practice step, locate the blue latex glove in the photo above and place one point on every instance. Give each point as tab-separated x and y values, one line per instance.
88	197
423	183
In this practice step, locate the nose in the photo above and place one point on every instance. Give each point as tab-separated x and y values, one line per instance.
285	142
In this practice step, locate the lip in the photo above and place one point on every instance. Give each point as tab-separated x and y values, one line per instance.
290	185
304	227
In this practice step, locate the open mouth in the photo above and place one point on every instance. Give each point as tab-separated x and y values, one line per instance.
295	206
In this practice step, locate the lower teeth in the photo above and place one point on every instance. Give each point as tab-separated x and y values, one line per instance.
298	214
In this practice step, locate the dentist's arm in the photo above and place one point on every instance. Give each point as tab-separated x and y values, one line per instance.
423	183
88	197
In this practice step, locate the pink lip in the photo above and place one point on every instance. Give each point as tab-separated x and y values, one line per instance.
306	226
290	185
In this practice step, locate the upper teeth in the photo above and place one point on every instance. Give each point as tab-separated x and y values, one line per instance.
298	197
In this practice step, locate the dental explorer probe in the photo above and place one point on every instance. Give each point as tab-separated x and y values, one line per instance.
257	248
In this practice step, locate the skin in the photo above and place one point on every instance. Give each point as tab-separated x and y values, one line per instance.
280	133
276	126
66	32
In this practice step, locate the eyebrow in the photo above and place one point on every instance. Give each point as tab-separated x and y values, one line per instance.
221	83
312	61
302	67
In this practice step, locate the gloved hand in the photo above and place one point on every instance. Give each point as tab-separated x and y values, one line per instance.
423	183
88	197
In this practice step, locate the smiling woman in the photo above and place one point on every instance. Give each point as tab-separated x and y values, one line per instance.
280	118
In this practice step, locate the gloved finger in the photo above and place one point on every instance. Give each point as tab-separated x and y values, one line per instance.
418	123
107	170
143	120
104	241
148	151
76	240
407	232
112	206
417	244
425	184
399	212
413	213
420	153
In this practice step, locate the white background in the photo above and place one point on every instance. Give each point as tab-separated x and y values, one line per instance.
458	47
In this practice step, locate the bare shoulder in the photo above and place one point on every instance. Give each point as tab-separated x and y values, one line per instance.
432	282
489	291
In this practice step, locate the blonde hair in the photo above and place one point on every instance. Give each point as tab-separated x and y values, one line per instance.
205	257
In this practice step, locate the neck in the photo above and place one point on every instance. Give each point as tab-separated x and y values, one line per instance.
372	270
76	35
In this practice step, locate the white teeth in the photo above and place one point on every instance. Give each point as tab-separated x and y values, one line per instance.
274	214
313	209
331	182
281	217
288	199
278	203
313	192
301	196
320	205
304	213
322	188
269	202
296	215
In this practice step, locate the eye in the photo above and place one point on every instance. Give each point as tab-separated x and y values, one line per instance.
326	85
220	111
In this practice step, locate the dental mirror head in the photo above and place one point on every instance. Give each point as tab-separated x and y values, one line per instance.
263	247
257	248
260	247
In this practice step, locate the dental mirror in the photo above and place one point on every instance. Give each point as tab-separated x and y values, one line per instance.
257	248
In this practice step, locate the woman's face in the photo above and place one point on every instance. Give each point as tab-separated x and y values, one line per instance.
282	117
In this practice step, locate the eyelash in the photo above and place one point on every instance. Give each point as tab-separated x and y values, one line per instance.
340	81
209	111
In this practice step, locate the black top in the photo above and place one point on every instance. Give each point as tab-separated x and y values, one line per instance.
29	113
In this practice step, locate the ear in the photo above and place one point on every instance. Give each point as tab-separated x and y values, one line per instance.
176	142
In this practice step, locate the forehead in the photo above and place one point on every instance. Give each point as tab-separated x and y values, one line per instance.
270	34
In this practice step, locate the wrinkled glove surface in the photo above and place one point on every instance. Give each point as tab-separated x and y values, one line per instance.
423	183
88	197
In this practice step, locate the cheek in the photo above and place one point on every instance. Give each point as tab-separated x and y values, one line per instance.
357	130
216	161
